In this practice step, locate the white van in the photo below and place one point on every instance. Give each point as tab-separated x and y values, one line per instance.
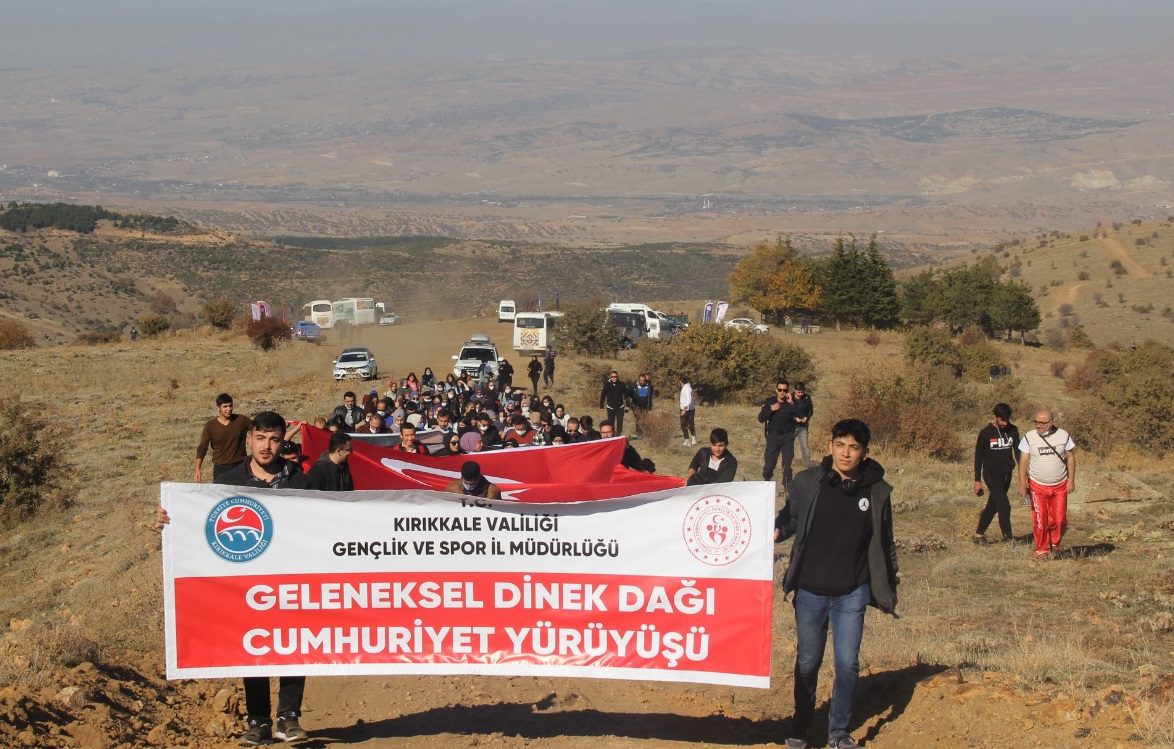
506	309
652	319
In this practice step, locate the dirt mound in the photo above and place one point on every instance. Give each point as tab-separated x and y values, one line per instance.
100	707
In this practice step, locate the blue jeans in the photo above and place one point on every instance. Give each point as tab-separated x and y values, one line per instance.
813	613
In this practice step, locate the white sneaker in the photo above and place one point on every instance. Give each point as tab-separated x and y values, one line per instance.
693	440
685	443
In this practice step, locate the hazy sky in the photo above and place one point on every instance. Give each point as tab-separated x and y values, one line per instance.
164	32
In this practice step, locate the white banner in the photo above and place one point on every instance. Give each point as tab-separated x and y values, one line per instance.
669	586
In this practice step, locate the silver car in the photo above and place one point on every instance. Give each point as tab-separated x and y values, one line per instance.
356	362
745	323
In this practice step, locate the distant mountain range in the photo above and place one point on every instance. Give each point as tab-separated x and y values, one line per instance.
696	145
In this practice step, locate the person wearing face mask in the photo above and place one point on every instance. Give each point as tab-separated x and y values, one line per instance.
490	436
373	425
470	442
505	375
473	484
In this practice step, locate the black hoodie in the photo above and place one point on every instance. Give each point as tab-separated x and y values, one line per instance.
799	515
994	451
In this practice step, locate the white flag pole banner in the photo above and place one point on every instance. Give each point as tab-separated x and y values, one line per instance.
674	585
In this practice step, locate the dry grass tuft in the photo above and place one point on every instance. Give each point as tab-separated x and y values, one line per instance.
34	652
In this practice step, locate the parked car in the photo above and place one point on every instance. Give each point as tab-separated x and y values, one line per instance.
389	318
745	323
303	330
474	353
356	362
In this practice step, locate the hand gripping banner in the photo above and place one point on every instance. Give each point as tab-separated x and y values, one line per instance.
672	585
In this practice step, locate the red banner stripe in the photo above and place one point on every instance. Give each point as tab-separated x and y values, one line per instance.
616	621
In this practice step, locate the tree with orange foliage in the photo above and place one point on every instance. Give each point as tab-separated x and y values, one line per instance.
775	280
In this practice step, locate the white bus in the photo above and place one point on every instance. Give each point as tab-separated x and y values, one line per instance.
319	312
356	311
534	331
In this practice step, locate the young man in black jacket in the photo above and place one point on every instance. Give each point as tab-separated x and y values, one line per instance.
714	464
613	397
777	417
843	559
332	471
265	469
995	462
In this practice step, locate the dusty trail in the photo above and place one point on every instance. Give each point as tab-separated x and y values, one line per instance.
1116	251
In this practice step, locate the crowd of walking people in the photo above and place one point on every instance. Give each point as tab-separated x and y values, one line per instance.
838	511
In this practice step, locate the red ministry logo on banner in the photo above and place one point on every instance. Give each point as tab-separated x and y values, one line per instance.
717	530
239	529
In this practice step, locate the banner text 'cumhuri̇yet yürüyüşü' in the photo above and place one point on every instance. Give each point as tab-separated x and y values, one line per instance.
670	586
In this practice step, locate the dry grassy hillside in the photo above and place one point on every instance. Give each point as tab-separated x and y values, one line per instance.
1117	280
991	650
60	284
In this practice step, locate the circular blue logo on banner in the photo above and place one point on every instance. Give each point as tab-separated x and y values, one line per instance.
239	529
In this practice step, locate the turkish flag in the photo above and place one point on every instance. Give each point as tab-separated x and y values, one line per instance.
555	473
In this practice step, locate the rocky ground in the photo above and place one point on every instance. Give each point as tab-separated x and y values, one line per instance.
100	707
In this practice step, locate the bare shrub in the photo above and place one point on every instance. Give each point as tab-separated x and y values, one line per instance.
154	324
163	303
1057	368
724	364
1083	275
912	411
590	379
872	338
14	334
96	337
585	328
1009	390
1097	369
219	313
661	428
31	460
267	333
59	645
1143	309
1054	339
933	348
972	335
978	358
1126	398
1077	337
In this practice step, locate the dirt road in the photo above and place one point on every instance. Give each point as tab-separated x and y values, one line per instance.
1114	250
